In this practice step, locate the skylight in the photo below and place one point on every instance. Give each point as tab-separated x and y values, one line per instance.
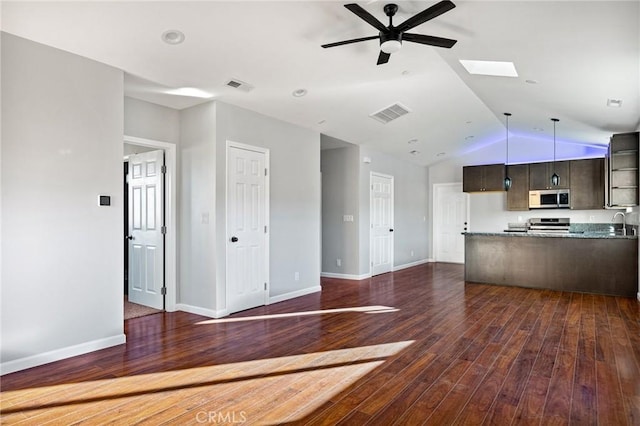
493	68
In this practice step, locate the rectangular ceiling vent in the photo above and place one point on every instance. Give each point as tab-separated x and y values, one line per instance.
240	85
390	113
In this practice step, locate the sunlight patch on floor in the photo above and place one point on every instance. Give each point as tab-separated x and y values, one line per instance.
362	309
265	391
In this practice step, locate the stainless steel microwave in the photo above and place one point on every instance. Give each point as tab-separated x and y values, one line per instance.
549	199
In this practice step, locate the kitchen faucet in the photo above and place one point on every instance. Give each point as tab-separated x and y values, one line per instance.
624	221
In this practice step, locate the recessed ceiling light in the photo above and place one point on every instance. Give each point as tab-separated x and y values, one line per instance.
614	103
412	141
531	81
469	122
322	121
299	92
189	91
414	152
493	68
406	72
468	138
172	37
440	154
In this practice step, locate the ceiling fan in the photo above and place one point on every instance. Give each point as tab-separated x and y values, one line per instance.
391	37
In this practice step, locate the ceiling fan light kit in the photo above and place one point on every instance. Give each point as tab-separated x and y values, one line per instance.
391	37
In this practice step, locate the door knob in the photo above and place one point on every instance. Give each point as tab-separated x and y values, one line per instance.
391	230
234	239
129	237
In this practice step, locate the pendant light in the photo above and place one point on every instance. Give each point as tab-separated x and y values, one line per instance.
507	179
555	179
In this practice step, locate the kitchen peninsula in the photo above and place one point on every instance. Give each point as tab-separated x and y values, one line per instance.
591	262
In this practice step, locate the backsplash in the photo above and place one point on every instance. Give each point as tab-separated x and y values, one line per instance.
601	227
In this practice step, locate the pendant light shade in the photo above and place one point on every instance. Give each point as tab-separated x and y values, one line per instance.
555	179
507	179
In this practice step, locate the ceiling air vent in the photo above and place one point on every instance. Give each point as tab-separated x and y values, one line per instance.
390	113
240	85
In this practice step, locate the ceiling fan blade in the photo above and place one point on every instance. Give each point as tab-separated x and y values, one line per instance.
426	15
430	40
366	16
355	40
383	58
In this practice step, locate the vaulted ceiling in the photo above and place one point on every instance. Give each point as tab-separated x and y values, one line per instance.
571	57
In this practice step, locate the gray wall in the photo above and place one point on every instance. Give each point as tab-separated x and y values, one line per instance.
294	196
411	205
197	207
340	196
62	253
346	181
150	121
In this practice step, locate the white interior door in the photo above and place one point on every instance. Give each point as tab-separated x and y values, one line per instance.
247	273
451	214
146	245
381	223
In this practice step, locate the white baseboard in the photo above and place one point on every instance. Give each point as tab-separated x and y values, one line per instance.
63	353
412	264
202	311
345	276
294	294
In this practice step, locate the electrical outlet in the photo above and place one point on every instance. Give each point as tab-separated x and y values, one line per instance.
411	253
592	219
339	262
296	276
205	218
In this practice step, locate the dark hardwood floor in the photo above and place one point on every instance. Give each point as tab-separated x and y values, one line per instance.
417	346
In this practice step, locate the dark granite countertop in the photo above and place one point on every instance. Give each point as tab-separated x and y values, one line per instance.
587	234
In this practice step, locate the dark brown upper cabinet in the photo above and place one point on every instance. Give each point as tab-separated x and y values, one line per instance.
622	170
483	178
540	175
587	184
518	194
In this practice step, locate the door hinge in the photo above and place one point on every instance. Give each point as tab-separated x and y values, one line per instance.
265	286
265	171
163	291
163	229
265	229
163	169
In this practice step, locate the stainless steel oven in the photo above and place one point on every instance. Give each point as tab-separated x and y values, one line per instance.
549	199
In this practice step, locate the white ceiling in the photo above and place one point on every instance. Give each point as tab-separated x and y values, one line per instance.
580	53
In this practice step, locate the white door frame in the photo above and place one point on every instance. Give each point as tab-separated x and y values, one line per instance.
267	165
170	151
436	216
393	219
